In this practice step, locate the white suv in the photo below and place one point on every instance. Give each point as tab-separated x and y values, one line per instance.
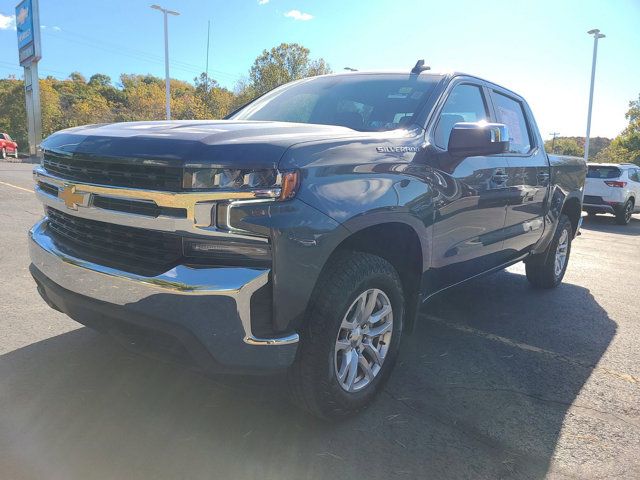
613	188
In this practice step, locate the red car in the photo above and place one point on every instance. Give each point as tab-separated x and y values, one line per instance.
7	146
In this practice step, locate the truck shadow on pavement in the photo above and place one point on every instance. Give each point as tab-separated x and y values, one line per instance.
460	404
607	224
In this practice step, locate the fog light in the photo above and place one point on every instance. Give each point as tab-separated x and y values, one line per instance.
227	249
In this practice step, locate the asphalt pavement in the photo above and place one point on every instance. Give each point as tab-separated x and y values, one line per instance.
498	381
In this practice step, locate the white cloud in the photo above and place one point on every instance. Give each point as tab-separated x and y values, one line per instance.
7	22
56	28
298	15
263	2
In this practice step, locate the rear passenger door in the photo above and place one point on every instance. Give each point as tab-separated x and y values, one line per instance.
528	173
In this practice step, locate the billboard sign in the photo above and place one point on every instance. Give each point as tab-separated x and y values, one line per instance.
28	30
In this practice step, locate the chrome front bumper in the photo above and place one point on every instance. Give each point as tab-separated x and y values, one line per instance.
211	303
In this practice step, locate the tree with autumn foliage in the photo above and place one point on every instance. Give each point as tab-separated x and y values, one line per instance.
625	148
77	101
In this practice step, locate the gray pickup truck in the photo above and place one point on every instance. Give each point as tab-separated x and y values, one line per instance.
304	232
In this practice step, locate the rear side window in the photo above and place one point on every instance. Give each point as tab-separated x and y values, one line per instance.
511	113
464	104
603	172
634	174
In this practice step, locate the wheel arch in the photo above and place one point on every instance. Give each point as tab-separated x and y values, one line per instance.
398	243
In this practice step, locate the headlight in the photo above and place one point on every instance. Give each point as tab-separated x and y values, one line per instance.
267	183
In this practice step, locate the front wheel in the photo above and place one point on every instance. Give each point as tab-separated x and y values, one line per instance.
351	338
623	215
15	153
3	153
546	270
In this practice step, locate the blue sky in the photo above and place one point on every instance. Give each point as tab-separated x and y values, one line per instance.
538	48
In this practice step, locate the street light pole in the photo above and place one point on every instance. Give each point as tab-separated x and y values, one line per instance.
596	36
167	86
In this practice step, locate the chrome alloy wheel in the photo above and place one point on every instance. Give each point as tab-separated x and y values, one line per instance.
561	252
363	340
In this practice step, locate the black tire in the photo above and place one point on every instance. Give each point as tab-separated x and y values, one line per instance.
541	268
313	379
623	215
4	153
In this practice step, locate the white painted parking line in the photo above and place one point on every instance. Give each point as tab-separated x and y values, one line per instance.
530	348
16	186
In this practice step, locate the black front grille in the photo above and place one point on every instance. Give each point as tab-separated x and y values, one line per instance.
592	200
138	207
132	249
108	172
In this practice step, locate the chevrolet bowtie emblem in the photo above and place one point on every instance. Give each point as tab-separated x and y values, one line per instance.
71	198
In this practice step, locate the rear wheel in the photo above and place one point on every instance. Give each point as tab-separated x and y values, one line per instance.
547	269
351	338
623	215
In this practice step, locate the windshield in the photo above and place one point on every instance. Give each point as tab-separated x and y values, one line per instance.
362	102
603	172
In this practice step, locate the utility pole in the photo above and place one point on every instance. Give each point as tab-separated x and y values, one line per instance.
206	85
167	86
553	141
596	36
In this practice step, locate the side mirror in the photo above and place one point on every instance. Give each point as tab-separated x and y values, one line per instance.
477	139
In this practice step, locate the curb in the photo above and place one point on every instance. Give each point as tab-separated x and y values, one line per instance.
33	160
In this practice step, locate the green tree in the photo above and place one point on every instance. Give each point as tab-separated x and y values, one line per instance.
216	100
13	116
282	64
625	147
564	146
100	80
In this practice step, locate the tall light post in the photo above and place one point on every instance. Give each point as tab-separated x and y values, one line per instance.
167	86
596	36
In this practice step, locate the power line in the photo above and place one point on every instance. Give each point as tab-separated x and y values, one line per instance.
133	53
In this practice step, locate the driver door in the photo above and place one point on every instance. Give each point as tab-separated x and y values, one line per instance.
471	195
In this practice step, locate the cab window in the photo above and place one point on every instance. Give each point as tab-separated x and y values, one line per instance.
465	104
511	113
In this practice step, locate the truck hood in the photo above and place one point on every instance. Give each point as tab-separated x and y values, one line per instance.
223	143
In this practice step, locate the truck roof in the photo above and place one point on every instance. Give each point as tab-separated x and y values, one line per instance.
431	73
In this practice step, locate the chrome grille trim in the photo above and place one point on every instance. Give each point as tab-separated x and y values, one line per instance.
199	206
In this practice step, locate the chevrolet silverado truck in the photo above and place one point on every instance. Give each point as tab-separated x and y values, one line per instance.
304	232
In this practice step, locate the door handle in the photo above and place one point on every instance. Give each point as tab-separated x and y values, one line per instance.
543	177
500	177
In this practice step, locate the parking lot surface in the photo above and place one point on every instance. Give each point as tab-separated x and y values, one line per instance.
498	381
